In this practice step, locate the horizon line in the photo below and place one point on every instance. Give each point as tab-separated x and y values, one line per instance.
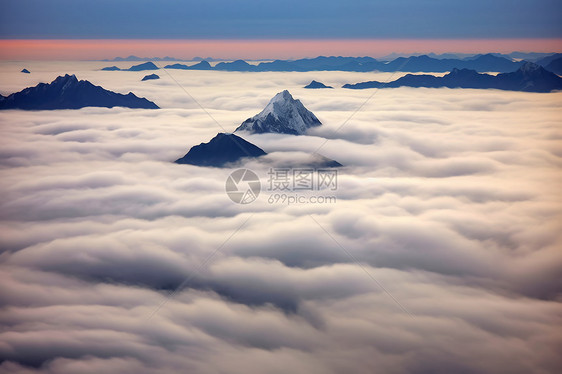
98	49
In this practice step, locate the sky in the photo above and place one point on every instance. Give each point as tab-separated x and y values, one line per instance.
168	19
461	26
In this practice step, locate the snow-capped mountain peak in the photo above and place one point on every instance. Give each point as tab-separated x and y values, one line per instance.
283	114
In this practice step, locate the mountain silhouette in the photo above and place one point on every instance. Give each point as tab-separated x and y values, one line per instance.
150	77
283	115
139	67
529	77
221	150
24	70
238	65
423	63
203	65
555	66
67	92
314	84
144	66
490	62
548	59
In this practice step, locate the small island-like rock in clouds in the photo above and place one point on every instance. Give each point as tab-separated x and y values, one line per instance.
283	115
24	70
67	92
221	150
111	68
150	77
315	84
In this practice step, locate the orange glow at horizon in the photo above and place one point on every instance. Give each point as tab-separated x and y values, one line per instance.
93	49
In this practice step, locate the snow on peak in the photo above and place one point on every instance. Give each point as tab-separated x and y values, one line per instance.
283	114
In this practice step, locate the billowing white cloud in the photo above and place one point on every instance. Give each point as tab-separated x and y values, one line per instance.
448	199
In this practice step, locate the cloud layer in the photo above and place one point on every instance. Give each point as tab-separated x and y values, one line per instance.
442	253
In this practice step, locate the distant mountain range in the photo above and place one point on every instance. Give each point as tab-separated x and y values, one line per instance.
203	65
221	150
140	67
528	56
136	58
555	66
545	61
552	63
482	63
168	58
529	77
423	63
67	92
284	115
432	63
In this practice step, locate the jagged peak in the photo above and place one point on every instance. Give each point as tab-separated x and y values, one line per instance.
283	114
66	78
281	104
65	81
285	95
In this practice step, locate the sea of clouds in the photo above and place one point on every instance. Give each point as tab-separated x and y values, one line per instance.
442	253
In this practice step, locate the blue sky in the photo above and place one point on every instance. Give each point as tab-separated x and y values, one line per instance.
280	19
